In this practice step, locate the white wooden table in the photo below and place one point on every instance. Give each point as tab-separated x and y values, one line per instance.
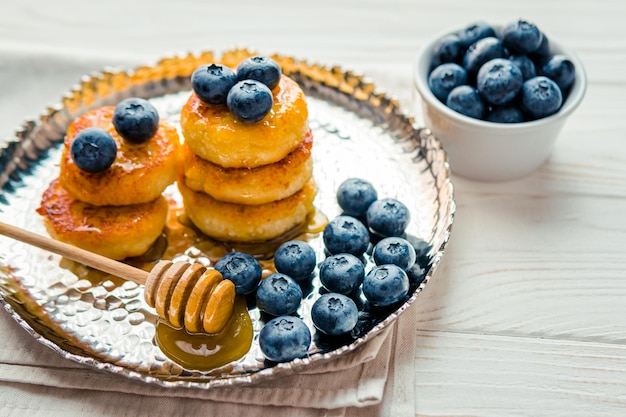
527	316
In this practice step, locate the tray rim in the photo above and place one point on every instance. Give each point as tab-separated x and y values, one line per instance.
170	70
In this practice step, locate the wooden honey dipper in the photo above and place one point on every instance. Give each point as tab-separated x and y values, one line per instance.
184	294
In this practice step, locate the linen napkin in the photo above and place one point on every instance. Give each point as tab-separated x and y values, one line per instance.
353	385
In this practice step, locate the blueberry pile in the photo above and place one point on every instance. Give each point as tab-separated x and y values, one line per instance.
246	91
94	150
369	255
506	76
370	266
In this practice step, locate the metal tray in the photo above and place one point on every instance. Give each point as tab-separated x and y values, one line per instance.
358	132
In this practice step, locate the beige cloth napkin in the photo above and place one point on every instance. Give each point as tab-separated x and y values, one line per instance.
376	380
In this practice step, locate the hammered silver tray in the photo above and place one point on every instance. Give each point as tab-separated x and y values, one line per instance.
105	324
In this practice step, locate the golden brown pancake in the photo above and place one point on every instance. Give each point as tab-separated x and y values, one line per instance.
250	185
247	223
139	174
214	134
117	232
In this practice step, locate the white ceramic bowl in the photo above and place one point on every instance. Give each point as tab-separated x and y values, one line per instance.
487	151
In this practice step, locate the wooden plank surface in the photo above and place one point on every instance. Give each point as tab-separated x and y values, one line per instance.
527	316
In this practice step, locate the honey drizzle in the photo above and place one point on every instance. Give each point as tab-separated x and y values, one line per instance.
184	237
204	352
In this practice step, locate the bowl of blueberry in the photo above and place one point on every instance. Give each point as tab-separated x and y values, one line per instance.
497	96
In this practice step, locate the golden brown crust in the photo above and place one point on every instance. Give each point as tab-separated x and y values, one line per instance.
213	133
117	232
247	223
250	186
139	174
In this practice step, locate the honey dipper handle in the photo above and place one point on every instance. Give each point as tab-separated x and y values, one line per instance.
82	256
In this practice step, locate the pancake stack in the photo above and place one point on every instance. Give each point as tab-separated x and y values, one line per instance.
247	181
119	212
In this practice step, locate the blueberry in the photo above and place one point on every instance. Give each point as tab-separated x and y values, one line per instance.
260	68
480	52
475	32
448	49
93	150
296	259
422	249
445	78
510	113
560	70
284	338
136	120
385	285
543	52
466	100
499	81
278	294
346	234
525	64
521	37
242	269
212	82
250	100
355	195
396	251
342	273
541	97
334	314
388	217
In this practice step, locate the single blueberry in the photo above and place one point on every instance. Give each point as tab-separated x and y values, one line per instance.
560	70
242	269
334	314
284	338
475	32
396	251
543	52
342	273
466	100
416	275
480	52
385	285
525	64
510	113
422	248
93	150
136	120
499	81
346	234
521	37
540	97
260	68
296	259
250	100
355	195
448	49
212	82
388	217
278	294
445	78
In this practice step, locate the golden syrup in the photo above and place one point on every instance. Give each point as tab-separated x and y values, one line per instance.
204	352
182	234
